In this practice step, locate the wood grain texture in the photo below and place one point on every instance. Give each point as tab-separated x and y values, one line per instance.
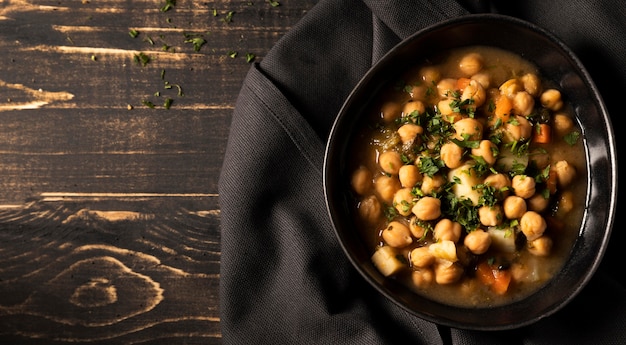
109	214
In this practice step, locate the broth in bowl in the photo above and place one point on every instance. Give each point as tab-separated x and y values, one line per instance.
468	178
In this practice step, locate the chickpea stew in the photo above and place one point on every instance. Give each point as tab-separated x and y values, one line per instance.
469	178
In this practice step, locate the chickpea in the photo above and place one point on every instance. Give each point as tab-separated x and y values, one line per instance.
551	99
477	241
386	187
446	87
452	117
390	162
422	257
523	103
565	173
475	92
523	186
510	87
361	180
514	207
532	225
403	201
447	230
370	209
427	208
540	159
562	124
468	128
538	203
409	175
445	108
418	92
433	184
409	132
390	111
416	229
541	246
422	277
413	106
483	78
490	215
397	235
518	129
501	182
447	272
487	150
566	203
430	74
471	63
531	83
452	155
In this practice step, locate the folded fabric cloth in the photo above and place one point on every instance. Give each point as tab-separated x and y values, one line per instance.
284	277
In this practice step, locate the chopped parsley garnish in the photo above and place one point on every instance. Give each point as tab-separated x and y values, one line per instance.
430	166
571	138
197	42
470	144
169	4
229	17
141	59
462	210
391	213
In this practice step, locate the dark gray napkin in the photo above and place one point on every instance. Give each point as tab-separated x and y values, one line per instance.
284	278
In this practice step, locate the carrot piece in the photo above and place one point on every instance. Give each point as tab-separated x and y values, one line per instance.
484	273
497	280
461	83
503	108
542	134
502	281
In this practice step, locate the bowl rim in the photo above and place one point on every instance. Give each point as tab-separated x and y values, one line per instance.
608	183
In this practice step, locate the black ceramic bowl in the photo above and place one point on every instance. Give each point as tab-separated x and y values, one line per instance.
556	63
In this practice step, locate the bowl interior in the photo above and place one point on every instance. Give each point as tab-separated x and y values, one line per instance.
557	63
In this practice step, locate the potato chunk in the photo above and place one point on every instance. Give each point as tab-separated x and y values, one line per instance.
386	261
467	179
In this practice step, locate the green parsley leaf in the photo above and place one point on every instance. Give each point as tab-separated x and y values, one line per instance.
197	42
430	166
470	144
390	213
274	3
141	58
133	33
229	17
571	138
169	4
250	57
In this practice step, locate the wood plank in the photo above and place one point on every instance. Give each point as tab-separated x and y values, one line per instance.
109	212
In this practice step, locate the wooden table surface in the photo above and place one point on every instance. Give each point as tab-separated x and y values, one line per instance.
114	121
